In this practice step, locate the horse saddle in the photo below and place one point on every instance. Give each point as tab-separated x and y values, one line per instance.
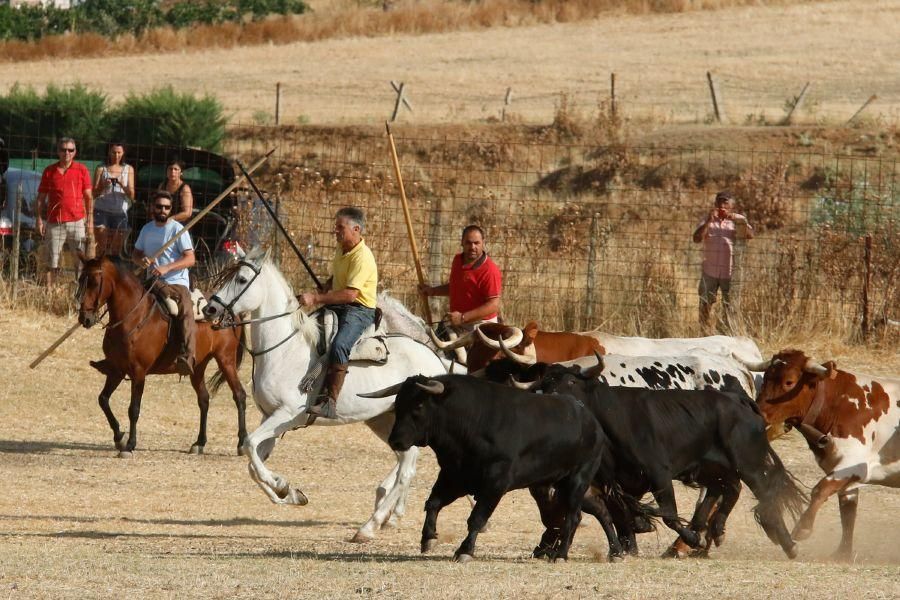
198	303
369	347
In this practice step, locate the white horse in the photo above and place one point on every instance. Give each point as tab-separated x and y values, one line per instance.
284	343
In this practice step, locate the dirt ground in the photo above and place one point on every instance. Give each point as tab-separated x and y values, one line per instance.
77	522
762	56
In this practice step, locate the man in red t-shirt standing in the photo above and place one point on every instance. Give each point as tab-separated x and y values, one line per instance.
475	284
64	194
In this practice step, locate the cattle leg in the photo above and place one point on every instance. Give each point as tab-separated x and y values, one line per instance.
199	385
551	518
699	522
731	492
134	412
229	371
571	492
848	502
485	504
600	510
112	382
443	493
823	490
665	498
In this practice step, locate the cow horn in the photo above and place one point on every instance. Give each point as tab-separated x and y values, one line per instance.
462	340
519	358
754	366
815	438
519	385
384	393
514	340
815	368
432	387
594	370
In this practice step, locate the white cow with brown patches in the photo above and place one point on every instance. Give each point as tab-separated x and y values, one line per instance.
850	421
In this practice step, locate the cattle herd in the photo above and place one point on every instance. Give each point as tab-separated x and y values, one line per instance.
587	422
698	410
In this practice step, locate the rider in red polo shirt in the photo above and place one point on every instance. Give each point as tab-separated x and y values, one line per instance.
475	284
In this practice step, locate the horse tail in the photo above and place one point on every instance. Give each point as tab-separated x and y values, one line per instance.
218	378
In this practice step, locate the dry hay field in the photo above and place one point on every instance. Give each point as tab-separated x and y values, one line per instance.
78	522
848	49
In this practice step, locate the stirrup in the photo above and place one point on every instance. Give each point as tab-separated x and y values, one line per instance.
326	410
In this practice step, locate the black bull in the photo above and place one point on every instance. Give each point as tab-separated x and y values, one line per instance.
707	437
490	439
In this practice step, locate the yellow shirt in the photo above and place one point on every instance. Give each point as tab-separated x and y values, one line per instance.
356	269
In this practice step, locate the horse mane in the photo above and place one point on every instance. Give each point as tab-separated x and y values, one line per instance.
399	319
309	328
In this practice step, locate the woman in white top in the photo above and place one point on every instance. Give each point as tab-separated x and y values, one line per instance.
113	194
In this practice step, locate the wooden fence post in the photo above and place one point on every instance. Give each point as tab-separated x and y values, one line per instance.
871	99
797	102
718	107
277	102
867	259
401	100
16	241
612	94
593	251
506	101
436	258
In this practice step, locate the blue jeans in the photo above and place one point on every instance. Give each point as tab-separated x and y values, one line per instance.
352	321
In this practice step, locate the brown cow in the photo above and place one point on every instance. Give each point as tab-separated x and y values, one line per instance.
527	345
851	423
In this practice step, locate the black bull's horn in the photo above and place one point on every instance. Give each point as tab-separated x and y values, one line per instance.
432	387
595	370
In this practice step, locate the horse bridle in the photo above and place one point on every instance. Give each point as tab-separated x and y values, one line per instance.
79	292
228	308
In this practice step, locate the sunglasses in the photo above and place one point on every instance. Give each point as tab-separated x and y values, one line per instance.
163	207
67	149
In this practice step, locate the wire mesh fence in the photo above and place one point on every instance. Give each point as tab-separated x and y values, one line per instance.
591	236
586	235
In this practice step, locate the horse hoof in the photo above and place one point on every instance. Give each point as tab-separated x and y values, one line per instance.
801	533
241	451
362	537
428	545
793	551
125	454
297	497
462	558
196	449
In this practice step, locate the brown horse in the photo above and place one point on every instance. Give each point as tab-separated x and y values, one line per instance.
137	344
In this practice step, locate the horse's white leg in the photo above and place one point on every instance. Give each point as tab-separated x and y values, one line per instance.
387	484
406	470
259	444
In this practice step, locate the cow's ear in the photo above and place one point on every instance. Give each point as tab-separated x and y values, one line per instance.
531	330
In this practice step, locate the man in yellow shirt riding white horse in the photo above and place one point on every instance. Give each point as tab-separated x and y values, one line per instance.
350	293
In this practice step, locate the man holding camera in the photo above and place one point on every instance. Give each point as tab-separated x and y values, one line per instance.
718	232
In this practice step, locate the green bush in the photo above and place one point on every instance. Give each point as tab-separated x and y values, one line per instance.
165	116
32	120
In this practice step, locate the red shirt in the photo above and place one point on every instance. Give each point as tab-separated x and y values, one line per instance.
473	285
65	192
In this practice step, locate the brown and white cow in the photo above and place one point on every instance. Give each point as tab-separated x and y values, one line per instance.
851	423
528	345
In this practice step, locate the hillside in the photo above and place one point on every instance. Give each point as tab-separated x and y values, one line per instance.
762	56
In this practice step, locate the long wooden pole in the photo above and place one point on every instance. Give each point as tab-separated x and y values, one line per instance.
159	252
409	227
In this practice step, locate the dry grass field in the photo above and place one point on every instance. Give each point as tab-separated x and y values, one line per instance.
77	522
848	49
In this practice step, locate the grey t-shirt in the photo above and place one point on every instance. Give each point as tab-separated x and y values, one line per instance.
152	238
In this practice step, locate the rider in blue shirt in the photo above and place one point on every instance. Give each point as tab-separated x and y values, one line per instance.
172	269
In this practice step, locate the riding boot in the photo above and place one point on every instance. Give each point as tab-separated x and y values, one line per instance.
326	404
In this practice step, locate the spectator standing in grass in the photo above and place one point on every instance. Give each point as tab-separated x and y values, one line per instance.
64	206
180	191
718	233
113	195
